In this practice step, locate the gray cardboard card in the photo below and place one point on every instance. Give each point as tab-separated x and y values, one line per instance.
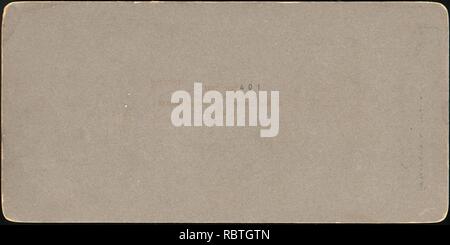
124	112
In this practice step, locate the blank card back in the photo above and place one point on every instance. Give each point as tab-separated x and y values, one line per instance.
87	105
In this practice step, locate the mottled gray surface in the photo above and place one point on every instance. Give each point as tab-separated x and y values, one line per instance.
86	131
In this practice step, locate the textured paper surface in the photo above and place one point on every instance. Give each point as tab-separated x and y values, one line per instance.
86	131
